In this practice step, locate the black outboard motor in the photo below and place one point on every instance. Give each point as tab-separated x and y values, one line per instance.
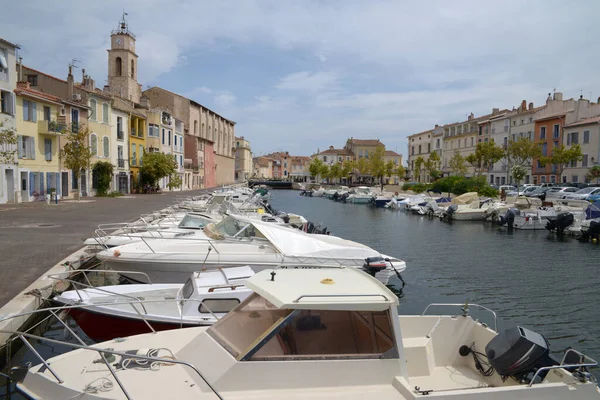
518	352
373	265
593	232
508	218
344	197
559	223
335	196
447	215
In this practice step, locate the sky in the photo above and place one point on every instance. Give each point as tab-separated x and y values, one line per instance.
300	76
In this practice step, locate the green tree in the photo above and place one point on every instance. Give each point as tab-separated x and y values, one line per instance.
518	172
155	166
562	156
347	167
103	170
315	167
174	181
390	168
335	171
485	155
363	166
76	153
8	145
419	163
520	152
324	172
400	172
377	163
594	173
458	164
433	166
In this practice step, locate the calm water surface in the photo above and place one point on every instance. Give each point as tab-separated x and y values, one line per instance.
533	279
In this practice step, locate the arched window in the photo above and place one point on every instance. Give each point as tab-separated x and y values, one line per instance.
195	127
94	107
118	66
203	131
105	113
94	144
106	146
132	69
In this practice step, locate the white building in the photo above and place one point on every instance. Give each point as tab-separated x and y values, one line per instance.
166	142
120	146
178	150
10	183
499	127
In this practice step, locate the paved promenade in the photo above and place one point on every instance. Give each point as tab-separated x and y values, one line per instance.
36	236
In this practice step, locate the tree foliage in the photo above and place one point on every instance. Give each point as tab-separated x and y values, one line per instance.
103	170
363	166
377	162
76	153
563	156
433	166
458	164
518	172
335	171
156	166
324	171
315	167
174	181
400	171
485	155
347	167
390	168
594	173
8	145
520	152
419	162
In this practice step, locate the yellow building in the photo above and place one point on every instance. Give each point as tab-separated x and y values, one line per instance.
38	142
362	147
137	146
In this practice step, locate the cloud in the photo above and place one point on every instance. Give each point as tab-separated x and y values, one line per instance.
307	81
224	99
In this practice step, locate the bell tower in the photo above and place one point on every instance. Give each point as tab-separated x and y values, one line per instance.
123	64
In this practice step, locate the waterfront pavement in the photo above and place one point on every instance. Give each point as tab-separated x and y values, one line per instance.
35	236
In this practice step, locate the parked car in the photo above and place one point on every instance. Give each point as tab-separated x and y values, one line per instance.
557	192
547	184
539	193
582	194
523	191
507	189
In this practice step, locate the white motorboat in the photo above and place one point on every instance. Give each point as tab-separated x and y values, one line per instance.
318	334
320	192
241	241
113	311
361	195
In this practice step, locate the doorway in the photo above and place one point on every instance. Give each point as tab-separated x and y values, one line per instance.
123	184
10	185
24	187
83	184
65	184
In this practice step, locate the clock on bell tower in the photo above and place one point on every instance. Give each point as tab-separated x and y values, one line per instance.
123	63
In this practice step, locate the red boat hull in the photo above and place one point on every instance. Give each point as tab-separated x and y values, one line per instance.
102	327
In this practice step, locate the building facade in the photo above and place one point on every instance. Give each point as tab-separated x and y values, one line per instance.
262	168
119	147
419	145
300	171
10	179
243	159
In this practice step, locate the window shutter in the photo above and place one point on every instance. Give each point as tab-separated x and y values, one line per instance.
33	112
58	187
48	149
48	182
13	106
31	183
20	146
41	182
568	139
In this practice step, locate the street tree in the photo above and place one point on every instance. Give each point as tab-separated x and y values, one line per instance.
156	166
485	155
377	163
419	163
324	172
8	144
76	153
315	167
518	172
335	171
400	172
363	166
103	170
433	166
594	173
390	167
458	164
520	152
174	181
347	168
562	156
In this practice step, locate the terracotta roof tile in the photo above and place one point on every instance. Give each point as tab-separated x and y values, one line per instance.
587	121
391	153
366	142
39	95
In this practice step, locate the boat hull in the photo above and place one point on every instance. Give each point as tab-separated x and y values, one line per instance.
360	200
468	216
381	202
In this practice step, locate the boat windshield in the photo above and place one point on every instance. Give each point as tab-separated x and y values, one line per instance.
257	331
191	221
231	227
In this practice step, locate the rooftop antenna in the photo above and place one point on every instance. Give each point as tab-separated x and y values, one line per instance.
74	62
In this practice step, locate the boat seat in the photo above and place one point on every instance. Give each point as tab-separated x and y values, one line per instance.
419	355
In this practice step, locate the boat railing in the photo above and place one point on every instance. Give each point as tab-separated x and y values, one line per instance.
304	296
585	362
465	310
102	352
200	240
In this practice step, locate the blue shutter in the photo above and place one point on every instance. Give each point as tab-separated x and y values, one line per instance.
58	187
31	183
34	112
25	110
20	144
41	183
32	148
48	182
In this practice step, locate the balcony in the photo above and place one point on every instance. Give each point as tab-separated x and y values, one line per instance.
120	135
50	128
121	163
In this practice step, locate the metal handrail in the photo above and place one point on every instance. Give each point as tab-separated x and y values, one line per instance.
102	352
340	295
465	309
592	364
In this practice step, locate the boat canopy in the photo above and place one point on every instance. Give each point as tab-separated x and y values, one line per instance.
466	198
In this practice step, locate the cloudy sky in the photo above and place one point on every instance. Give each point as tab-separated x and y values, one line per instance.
304	75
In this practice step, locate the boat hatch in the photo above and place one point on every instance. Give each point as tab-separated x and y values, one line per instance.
256	330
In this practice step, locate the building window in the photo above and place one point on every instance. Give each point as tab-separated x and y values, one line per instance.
6	102
542	133
93	106
163	135
472	142
48	149
141	152
419	149
514	123
586	137
120	134
169	133
575	179
552	178
584	161
132	69
437	143
175	138
544	149
105	113
106	146
47	113
29	111
572	138
3	65
26	145
555	131
543	179
133	154
94	144
324	158
118	66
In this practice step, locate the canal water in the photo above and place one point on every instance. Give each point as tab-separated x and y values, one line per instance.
537	280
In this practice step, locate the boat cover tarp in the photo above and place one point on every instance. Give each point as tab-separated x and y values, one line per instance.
593	211
466	198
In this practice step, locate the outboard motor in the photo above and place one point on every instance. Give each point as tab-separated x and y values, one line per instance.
447	215
335	196
592	232
517	352
284	217
373	265
508	218
559	223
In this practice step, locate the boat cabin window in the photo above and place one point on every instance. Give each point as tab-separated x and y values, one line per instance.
217	305
188	289
257	331
193	222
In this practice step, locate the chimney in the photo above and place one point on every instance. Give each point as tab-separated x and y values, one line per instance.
23	84
70	83
83	76
523	105
145	102
495	111
558	96
330	147
530	106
